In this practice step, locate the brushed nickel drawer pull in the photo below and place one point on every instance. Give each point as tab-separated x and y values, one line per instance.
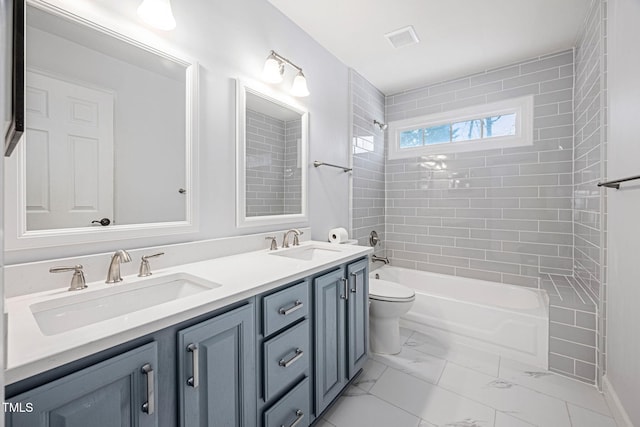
345	282
296	306
149	405
299	417
287	363
193	381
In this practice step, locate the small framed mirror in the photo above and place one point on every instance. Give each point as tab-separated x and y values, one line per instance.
109	147
272	159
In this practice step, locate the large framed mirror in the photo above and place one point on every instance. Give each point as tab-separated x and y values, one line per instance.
109	147
272	159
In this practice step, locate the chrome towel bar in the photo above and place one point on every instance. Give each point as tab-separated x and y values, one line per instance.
616	184
318	164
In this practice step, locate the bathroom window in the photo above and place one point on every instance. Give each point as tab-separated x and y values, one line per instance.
507	123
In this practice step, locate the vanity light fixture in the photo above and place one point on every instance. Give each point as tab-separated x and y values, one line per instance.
157	13
274	72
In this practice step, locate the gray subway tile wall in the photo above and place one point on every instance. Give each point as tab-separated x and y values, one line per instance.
273	181
265	165
292	167
504	215
501	209
368	151
590	166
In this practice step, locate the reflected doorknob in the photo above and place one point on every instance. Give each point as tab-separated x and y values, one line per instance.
103	222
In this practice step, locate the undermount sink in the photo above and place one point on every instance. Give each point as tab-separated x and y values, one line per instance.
307	253
85	307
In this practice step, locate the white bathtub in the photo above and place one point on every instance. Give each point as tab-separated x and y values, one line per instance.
511	321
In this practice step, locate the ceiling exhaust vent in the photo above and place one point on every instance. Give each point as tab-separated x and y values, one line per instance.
403	37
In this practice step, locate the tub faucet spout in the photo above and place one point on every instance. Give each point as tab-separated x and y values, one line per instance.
382	259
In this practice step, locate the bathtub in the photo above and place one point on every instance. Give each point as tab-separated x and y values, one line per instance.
511	321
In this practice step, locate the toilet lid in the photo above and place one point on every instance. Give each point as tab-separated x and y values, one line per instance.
389	291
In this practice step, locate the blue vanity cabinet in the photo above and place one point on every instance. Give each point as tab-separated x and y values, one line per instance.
216	378
330	374
341	329
284	356
357	316
117	392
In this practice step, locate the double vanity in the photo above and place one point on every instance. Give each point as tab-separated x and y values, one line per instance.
264	338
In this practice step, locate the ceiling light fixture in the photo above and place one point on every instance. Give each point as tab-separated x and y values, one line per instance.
158	14
274	72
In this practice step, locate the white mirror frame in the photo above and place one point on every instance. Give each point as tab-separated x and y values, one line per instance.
17	237
242	221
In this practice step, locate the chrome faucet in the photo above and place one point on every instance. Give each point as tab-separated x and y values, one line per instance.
382	259
113	275
285	239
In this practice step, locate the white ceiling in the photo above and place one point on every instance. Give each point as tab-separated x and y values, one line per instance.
457	37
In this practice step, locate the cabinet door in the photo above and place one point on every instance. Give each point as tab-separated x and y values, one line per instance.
109	394
330	293
357	316
216	360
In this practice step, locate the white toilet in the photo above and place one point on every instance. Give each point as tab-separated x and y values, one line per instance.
387	302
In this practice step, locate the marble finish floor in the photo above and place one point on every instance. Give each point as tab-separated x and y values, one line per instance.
432	384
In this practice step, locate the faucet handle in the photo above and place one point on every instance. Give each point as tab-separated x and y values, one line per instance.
274	244
77	281
145	267
296	242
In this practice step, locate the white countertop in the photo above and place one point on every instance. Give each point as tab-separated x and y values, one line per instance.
30	352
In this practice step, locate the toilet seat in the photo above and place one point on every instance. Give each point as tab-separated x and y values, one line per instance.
383	290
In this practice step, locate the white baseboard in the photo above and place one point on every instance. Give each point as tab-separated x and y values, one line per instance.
617	410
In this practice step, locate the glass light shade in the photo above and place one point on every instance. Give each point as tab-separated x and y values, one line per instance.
299	87
158	14
273	70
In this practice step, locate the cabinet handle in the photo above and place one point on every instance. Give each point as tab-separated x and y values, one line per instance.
355	279
345	282
287	363
193	381
296	306
299	417
149	405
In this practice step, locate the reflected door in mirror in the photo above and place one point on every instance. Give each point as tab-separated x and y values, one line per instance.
69	153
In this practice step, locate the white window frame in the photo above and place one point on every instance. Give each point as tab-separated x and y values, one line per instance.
522	107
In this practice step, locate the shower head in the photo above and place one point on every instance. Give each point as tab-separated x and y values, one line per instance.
382	126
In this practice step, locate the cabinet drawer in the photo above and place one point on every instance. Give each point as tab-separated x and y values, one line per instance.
293	410
285	307
286	358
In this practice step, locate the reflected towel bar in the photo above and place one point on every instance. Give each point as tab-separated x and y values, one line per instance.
616	184
318	164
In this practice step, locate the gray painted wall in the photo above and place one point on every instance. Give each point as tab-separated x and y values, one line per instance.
502	215
623	290
368	151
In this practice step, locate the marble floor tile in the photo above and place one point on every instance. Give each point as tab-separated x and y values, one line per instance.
430	402
504	420
324	423
469	357
505	396
404	335
367	410
424	423
581	417
370	373
580	394
416	363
